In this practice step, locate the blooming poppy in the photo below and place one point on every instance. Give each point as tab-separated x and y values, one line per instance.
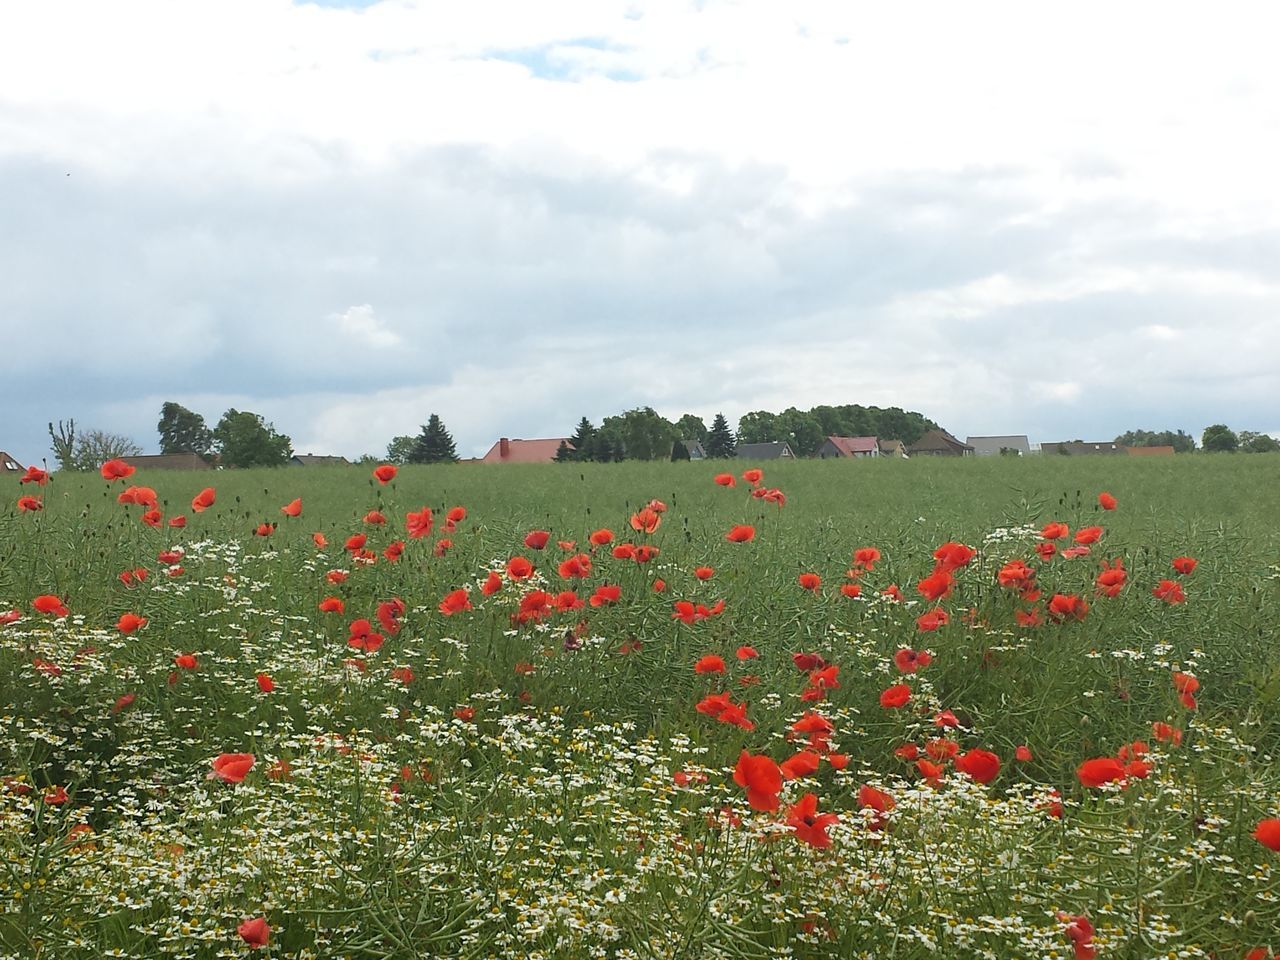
810	826
129	622
35	475
704	573
803	764
1067	607
536	539
866	557
761	778
1164	733
953	556
177	521
232	767
465	714
736	714
577	567
319	540
114	470
892	592
1184	565
187	661
809	581
362	637
1170	591
1267	833
895	696
456	514
1022	754
931	620
711	663
982	765
385	473
455	602
29	504
332	605
1087	535
1080	932
646	520
606	594
725	479
746	653
1055	531
932	772
492	584
402	675
123	702
152	518
936	586
1112	578
48	603
567	600
293	508
946	719
909	661
1106	501
601	538
753	476
519	568
375	518
256	933
203	500
742	533
1100	770
138	496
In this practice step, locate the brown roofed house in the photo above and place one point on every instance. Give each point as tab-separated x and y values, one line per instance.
7	463
939	443
1082	448
170	461
525	451
849	447
1164	451
318	460
892	448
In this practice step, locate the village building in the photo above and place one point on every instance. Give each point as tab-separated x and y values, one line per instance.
893	448
525	451
7	464
939	443
170	461
1014	445
1082	448
773	450
317	460
1164	451
849	447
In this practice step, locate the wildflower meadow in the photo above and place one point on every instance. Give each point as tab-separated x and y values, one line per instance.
898	709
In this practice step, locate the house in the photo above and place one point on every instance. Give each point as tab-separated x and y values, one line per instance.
1082	448
892	448
849	447
171	461
314	460
1149	451
939	443
1015	445
773	450
7	463
696	450
525	451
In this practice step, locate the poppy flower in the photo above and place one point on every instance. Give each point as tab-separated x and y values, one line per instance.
725	479
1170	591
931	620
645	553
577	567
232	767
866	557
29	504
1016	575
936	586
753	476
1087	535
465	714
761	778
932	772
953	556
1106	501
1055	531
1067	607
519	568
536	539
895	696
1022	754
982	765
909	661
908	751
1046	551
203	500
1185	682
385	473
704	573
35	475
606	594
492	584
129	622
1080	932
48	603
1100	770
331	605
320	540
362	637
187	661
255	932
1184	565
810	826
646	520
946	719
138	496
808	662
803	764
746	653
456	514
152	518
1267	833
1164	733
455	602
709	664
601	538
402	675
177	521
114	470
892	592
809	581
293	508
123	702
567	600
1112	578
742	533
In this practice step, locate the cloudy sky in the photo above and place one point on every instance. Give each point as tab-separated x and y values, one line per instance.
1016	218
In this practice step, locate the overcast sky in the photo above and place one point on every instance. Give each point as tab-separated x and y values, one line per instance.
1058	220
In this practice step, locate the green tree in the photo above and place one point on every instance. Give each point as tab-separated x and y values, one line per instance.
691	427
1219	438
644	433
96	447
183	431
1251	442
63	441
1180	441
720	441
244	439
434	445
583	441
400	449
564	453
802	430
758	426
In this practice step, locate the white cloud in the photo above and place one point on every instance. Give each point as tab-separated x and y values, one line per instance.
359	323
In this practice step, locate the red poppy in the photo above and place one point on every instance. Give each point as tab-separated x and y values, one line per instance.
1185	682
534	607
1106	501
29	504
1080	932
646	520
931	620
1022	754
809	581
866	557
1046	551
177	521
645	552
536	539
982	765
455	602
152	518
332	605
375	518
742	533
1112	578
232	767
385	473
355	543
936	586
1055	531
187	661
1267	833
895	696
761	778
362	637
600	538
567	600
456	514
48	603
1184	565
402	675
293	508
932	772
1164	733
606	594
114	470
465	714
711	663
138	496
746	653
492	584
255	932
725	479
319	540
909	661
810	826
704	573
892	592
35	475
1087	535
203	500
123	702
577	567
808	661
129	622
953	556
1067	607
803	764
1170	591
1100	770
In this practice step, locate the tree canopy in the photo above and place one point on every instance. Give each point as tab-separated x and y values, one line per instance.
1180	441
244	439
183	431
433	444
1219	438
720	440
806	430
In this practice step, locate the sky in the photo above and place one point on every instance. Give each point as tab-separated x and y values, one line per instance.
1013	218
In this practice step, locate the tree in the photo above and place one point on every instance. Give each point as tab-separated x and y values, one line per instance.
1219	438
244	439
691	427
1180	441
720	441
583	441
183	431
564	453
96	447
1251	442
64	443
434	445
802	430
400	449
642	433
758	426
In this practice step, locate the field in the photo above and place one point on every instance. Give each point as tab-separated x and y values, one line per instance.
318	746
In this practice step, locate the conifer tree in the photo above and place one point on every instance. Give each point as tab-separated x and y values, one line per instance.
584	441
434	445
720	442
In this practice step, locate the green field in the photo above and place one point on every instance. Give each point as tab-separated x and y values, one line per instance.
483	787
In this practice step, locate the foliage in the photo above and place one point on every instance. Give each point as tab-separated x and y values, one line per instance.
691	427
642	434
806	430
244	439
433	444
1251	442
1219	438
583	443
87	449
565	453
400	449
63	441
183	431
1180	441
720	440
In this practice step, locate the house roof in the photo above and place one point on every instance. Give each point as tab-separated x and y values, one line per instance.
851	446
9	463
1150	451
938	440
984	446
892	446
1081	447
170	461
525	451
772	450
318	460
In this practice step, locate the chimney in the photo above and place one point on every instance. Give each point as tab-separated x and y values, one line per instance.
504	448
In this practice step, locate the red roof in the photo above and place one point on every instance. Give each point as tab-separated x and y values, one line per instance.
1149	451
525	451
850	446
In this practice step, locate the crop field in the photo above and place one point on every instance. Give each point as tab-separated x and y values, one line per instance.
896	709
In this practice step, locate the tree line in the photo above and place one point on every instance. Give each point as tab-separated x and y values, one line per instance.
1218	438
